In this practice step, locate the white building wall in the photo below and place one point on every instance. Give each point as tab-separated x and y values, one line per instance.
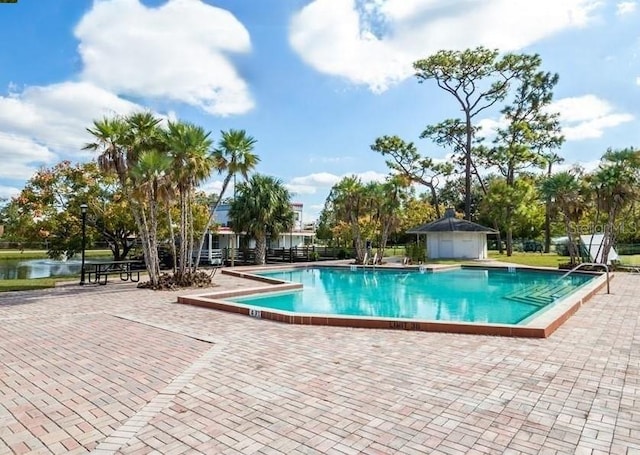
456	245
221	216
295	238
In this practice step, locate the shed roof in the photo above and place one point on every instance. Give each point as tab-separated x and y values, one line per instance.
449	223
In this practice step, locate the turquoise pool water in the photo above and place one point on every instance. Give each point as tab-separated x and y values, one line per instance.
469	295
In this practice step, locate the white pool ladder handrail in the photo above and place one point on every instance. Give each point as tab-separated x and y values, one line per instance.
592	264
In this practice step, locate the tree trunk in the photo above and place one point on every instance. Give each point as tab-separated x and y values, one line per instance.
547	216
384	237
143	229
153	237
172	234
509	239
183	261
357	239
467	169
434	199
261	249
607	241
193	261
571	247
212	213
547	226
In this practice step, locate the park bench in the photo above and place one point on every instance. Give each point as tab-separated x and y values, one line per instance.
99	272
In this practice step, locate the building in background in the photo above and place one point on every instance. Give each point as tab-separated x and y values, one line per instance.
222	240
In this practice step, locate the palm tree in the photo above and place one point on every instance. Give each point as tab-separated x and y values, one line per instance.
111	143
189	146
120	141
234	155
386	201
615	185
551	159
567	194
150	178
348	201
262	207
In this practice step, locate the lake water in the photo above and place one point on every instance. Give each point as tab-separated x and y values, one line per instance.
12	269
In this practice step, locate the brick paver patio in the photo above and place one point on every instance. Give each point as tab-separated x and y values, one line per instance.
115	369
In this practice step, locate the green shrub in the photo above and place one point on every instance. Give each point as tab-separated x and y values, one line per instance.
417	252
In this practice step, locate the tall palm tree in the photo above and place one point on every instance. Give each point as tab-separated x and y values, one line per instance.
262	207
388	198
566	193
551	159
234	155
189	146
150	178
348	201
615	184
110	136
120	141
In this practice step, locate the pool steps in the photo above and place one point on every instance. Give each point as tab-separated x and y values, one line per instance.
541	295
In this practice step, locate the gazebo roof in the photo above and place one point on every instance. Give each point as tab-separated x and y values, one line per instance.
449	223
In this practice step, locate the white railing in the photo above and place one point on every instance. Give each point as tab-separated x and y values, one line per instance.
592	264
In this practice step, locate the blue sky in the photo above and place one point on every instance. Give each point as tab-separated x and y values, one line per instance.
314	81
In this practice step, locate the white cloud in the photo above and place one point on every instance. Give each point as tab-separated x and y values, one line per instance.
327	34
214	187
57	115
322	179
330	159
489	126
624	8
174	52
312	183
638	80
41	123
375	42
587	166
21	157
177	51
370	176
581	117
7	192
586	117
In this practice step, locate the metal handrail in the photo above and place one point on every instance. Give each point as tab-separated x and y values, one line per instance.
592	264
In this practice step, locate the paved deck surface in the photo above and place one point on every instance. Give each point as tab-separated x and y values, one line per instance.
115	369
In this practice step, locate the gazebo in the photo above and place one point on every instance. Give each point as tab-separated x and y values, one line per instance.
453	238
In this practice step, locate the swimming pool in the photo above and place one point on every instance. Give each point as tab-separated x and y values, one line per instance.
497	296
498	300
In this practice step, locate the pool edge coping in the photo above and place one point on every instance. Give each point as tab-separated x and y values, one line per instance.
541	326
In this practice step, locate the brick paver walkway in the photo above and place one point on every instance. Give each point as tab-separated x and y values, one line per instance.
115	369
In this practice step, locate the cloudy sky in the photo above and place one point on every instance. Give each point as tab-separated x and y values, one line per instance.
314	81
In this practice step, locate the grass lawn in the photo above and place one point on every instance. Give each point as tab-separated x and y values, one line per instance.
42	254
630	259
531	259
30	284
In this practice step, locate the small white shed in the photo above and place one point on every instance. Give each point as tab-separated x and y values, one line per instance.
453	238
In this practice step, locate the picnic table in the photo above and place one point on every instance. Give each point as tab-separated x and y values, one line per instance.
98	272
